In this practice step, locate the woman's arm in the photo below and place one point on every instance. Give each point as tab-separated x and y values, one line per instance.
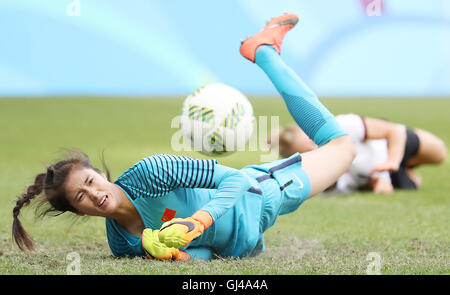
166	173
157	175
396	139
231	185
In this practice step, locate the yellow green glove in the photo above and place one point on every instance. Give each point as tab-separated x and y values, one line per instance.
179	232
155	249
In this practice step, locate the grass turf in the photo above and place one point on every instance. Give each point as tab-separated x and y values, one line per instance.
409	230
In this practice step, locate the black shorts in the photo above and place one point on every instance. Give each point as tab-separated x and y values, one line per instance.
400	179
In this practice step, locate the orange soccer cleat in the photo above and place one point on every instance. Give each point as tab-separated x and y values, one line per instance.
273	34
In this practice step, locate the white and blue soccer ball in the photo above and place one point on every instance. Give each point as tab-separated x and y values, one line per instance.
217	119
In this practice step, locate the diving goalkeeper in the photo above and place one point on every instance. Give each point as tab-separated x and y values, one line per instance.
180	208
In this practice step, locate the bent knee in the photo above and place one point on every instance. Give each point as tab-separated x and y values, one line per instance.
441	154
432	149
438	153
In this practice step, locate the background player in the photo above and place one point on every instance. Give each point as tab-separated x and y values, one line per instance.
387	153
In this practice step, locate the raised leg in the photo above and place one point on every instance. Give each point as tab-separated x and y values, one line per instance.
336	151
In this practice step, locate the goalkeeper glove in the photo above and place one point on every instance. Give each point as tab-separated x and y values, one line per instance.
155	249
179	232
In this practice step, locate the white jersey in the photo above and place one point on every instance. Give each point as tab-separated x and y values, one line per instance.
368	153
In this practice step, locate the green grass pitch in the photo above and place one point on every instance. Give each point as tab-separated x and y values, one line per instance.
409	230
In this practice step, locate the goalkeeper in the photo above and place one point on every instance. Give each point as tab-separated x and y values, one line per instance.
179	208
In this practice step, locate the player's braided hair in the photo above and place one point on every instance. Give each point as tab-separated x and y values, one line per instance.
52	184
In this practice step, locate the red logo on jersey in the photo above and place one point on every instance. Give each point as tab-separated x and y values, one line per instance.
168	214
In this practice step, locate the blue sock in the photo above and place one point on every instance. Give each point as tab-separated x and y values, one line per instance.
306	109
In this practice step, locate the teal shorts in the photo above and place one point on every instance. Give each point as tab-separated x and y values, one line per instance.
284	187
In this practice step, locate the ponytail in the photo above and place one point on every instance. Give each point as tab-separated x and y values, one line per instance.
51	184
21	237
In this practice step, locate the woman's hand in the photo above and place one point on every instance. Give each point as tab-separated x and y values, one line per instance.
179	232
155	249
381	186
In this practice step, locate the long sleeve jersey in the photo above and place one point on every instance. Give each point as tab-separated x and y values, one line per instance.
162	187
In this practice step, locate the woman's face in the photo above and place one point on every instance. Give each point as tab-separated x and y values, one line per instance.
91	193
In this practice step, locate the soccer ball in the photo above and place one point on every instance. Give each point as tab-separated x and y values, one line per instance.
217	119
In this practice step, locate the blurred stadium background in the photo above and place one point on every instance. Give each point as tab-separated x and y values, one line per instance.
164	48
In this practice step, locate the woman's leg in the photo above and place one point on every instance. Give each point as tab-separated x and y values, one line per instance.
415	177
421	147
432	149
326	164
336	151
306	109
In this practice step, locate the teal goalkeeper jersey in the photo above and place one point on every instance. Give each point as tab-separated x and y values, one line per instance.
162	187
243	203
